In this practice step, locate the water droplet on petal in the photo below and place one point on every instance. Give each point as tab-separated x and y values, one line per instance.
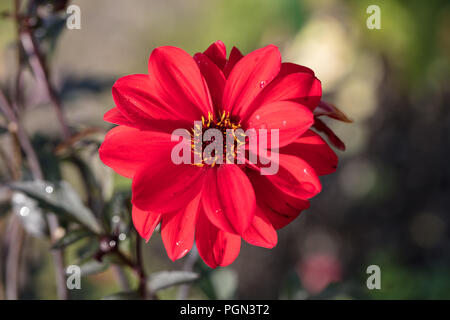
257	117
218	210
284	122
262	84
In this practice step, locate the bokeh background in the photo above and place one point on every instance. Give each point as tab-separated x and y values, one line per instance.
387	204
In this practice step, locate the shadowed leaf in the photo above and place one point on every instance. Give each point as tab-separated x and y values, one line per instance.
71	237
166	279
61	199
30	214
93	267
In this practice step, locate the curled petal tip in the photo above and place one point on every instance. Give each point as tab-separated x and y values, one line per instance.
330	110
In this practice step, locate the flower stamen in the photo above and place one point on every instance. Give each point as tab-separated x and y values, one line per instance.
223	124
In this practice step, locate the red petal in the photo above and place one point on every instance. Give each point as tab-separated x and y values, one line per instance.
295	177
138	101
229	199
314	150
116	117
178	82
145	222
320	126
178	230
290	118
280	219
127	149
302	88
213	76
330	110
280	208
249	76
235	56
261	233
288	68
161	186
217	53
215	247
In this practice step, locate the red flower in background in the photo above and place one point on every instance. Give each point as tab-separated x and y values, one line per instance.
217	205
318	270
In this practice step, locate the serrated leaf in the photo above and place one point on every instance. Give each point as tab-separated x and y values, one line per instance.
71	237
166	279
93	267
128	295
60	199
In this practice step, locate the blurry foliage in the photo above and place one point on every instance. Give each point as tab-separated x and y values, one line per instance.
395	168
410	35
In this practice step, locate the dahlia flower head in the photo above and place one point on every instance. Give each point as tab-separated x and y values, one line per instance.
219	205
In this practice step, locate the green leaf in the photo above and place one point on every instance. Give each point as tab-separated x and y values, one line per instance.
113	258
71	237
166	279
30	214
60	199
126	295
54	25
116	216
93	267
87	251
225	283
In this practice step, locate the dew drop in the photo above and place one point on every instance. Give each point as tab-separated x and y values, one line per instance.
284	122
218	210
116	219
49	189
24	211
122	236
262	84
258	117
112	243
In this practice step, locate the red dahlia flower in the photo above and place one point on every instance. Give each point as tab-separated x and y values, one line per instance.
216	205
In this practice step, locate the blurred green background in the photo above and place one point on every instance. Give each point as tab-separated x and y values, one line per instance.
387	204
